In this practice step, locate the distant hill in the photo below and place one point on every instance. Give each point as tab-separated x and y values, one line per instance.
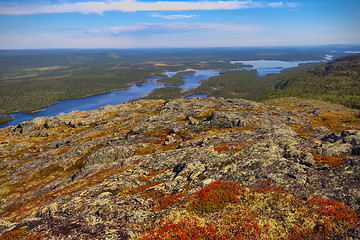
336	82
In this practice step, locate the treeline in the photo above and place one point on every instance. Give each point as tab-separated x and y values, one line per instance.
175	80
240	83
165	93
336	82
42	88
30	80
4	119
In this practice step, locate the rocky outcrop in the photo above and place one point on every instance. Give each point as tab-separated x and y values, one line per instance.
100	174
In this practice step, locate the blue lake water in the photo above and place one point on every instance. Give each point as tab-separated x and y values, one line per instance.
192	81
271	66
112	98
124	95
196	95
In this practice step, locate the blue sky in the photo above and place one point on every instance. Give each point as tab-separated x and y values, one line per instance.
26	24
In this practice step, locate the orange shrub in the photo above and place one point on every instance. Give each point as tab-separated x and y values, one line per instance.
21	234
182	230
248	217
333	161
168	200
214	197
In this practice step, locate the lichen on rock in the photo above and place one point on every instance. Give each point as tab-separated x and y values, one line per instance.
125	171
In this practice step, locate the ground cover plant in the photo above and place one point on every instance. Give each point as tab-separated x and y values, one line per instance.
227	210
156	169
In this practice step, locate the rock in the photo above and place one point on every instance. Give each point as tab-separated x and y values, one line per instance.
351	136
108	155
334	149
320	132
192	120
290	148
228	120
308	160
170	139
111	172
39	121
356	150
179	167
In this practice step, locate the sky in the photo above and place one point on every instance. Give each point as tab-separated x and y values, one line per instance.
38	24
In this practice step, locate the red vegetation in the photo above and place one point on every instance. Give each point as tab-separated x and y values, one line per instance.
21	234
266	186
182	230
230	147
168	200
142	188
242	224
161	199
245	218
214	197
333	161
333	218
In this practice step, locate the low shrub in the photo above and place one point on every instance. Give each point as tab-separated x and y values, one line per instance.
332	161
226	210
214	197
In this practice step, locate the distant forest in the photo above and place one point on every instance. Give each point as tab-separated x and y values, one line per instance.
32	79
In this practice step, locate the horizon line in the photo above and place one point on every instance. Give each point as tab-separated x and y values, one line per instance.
147	48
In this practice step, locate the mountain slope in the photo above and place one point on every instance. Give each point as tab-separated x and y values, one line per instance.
208	166
337	82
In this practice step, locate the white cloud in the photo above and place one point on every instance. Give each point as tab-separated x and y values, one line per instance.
293	5
129	6
166	28
28	39
281	4
173	17
43	35
276	4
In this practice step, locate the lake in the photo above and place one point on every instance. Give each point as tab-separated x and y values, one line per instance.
124	95
111	98
271	66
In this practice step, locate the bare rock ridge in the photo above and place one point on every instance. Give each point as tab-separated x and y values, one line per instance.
120	172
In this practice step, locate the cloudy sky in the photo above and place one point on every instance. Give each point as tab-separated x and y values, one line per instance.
28	24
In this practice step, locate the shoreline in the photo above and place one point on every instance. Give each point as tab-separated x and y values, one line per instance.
138	83
5	119
91	95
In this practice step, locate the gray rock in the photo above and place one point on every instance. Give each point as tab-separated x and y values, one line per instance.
334	149
351	136
108	155
104	172
308	160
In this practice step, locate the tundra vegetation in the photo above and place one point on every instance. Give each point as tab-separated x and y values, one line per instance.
199	168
